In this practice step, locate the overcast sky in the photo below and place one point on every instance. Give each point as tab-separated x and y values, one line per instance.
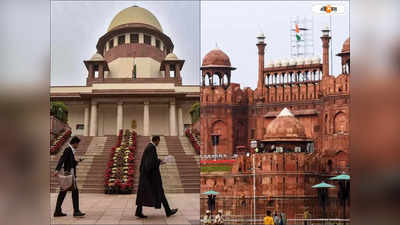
235	25
76	27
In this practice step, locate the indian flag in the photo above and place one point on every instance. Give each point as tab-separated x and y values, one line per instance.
298	37
134	68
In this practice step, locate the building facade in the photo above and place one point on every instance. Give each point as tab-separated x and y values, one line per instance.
299	116
134	81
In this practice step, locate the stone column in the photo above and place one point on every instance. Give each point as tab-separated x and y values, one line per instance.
146	119
325	54
120	116
86	121
93	119
91	72
180	121
172	119
101	71
166	71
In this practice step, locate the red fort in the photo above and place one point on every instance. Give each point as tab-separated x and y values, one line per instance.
299	115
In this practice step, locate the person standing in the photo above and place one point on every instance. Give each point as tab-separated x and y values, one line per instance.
68	163
277	220
283	218
306	216
207	218
219	218
268	220
150	192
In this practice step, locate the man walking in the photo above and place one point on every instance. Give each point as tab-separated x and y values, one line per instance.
150	191
68	163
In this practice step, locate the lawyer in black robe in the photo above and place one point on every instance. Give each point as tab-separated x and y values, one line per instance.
150	191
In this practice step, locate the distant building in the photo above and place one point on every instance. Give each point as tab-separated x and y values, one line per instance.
134	81
299	114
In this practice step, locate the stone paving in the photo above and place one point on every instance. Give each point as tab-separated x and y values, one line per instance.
120	209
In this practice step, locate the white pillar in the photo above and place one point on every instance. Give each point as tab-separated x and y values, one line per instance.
146	119
141	38
86	121
180	121
120	116
93	119
172	119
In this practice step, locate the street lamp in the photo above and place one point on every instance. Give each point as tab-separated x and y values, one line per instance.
323	195
215	142
344	191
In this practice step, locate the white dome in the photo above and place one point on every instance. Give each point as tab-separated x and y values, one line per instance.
270	64
316	60
285	62
300	61
97	57
308	61
292	62
278	63
171	56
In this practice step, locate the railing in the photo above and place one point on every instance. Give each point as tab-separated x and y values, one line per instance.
235	221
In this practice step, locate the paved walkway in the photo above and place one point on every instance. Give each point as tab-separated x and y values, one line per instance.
120	209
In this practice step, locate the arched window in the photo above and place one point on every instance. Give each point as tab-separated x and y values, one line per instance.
340	123
216	80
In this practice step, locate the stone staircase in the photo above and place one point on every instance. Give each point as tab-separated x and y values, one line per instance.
95	151
187	165
180	176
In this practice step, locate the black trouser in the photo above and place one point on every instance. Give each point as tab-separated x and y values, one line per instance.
139	208
75	200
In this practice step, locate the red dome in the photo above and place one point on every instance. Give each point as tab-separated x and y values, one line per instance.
216	57
346	46
285	127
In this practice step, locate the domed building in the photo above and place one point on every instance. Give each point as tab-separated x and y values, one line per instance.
133	80
285	134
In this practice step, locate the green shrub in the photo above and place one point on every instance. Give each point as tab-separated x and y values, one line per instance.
59	110
195	112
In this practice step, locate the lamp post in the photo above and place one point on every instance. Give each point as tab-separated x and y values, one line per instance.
344	191
215	142
254	184
323	196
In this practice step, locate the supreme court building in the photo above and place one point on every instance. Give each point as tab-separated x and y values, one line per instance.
134	81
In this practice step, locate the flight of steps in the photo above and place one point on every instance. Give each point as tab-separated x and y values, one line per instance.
180	176
92	178
186	163
90	172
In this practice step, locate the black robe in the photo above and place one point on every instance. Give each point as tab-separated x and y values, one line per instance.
67	161
150	188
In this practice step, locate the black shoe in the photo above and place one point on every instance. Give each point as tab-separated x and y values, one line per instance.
79	214
172	212
141	216
59	214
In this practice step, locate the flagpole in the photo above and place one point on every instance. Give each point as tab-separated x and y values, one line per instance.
330	27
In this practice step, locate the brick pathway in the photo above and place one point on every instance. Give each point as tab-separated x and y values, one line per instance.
120	209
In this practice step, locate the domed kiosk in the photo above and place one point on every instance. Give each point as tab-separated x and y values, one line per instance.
285	134
216	69
345	55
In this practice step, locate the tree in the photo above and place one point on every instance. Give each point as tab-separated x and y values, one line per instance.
195	112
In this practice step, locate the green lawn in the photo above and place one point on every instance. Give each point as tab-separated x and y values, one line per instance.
215	168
